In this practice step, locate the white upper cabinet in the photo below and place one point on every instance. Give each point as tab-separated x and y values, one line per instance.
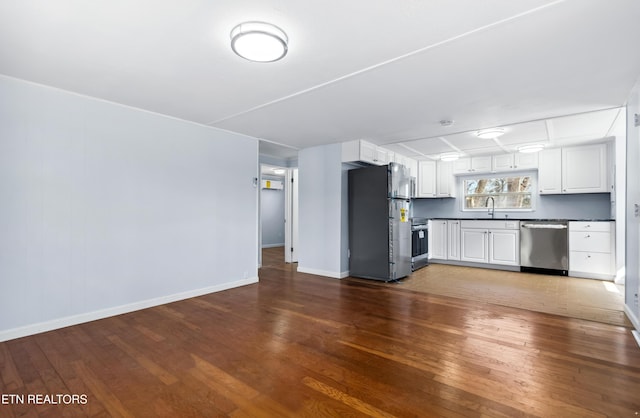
580	169
472	165
549	171
435	179
525	161
427	179
445	180
517	161
584	169
410	163
367	152
503	162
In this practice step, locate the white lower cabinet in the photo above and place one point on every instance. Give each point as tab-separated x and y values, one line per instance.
437	239
453	236
444	239
474	245
493	246
504	247
592	250
475	241
491	242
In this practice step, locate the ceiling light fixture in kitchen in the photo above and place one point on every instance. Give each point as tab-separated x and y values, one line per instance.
259	41
490	133
531	148
451	156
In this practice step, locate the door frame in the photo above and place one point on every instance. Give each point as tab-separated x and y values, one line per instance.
291	216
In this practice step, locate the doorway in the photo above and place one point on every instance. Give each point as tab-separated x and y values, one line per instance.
278	213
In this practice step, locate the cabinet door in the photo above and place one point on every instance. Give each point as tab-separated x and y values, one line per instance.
481	164
427	179
504	247
438	239
453	250
584	169
383	156
474	245
462	166
527	160
413	166
445	179
368	152
549	171
503	162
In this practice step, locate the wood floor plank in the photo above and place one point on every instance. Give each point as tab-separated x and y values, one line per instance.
299	345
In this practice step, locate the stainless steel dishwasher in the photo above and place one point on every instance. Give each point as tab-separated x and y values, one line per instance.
544	247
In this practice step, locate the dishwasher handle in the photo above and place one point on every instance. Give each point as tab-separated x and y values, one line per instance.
544	226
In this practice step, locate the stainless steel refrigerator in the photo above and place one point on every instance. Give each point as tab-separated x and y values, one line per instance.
379	222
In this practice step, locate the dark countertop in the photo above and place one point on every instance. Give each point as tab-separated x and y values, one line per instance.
519	219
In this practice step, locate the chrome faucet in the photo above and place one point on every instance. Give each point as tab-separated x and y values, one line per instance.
491	212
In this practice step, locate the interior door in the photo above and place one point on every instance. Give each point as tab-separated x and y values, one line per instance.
291	217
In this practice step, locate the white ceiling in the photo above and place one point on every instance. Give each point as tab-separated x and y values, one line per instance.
382	70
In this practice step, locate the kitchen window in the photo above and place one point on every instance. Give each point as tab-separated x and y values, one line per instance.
509	193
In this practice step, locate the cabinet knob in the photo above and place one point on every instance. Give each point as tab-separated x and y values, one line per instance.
588	236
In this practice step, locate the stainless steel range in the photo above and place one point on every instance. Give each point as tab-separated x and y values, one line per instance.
419	243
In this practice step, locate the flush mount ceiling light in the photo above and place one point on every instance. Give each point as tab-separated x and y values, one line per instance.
490	133
452	156
259	41
531	148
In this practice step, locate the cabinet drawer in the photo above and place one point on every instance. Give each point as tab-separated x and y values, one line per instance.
590	226
594	263
590	241
489	224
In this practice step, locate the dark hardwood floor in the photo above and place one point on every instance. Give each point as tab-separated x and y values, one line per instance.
305	346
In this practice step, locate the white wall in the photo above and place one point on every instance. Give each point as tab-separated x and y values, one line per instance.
107	209
632	283
321	211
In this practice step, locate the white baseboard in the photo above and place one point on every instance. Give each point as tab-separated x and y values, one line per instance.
116	310
326	273
272	245
632	317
